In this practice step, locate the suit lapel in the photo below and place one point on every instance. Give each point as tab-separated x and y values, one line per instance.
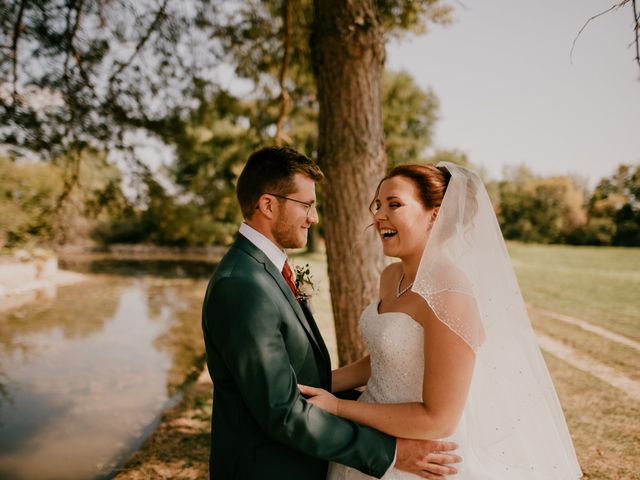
244	244
318	336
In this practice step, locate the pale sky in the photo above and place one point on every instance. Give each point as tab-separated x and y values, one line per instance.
509	93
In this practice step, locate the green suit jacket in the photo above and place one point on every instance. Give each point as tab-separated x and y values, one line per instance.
260	344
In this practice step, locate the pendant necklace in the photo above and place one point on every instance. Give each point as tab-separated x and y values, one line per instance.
405	289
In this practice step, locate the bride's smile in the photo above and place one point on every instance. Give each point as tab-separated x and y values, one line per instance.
400	218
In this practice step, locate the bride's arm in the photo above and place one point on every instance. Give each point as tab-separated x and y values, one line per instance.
354	375
448	366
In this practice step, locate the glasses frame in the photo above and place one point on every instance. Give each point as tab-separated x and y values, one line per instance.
306	204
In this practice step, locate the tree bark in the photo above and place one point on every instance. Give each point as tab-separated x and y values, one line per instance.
348	60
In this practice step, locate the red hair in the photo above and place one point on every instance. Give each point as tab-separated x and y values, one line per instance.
430	181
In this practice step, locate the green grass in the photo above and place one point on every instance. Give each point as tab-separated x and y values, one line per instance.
603	423
597	284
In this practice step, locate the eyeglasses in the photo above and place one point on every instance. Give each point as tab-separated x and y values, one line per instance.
306	204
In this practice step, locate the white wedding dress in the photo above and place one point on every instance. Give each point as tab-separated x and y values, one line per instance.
395	342
396	345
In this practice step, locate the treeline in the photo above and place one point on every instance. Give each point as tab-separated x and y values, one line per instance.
37	208
562	210
87	103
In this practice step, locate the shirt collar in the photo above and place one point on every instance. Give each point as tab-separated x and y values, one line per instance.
270	249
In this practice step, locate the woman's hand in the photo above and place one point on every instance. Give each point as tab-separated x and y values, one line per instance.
320	398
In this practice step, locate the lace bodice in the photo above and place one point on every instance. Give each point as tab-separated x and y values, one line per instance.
396	344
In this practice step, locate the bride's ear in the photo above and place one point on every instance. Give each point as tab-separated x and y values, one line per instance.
432	218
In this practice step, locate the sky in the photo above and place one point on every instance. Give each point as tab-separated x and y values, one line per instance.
510	94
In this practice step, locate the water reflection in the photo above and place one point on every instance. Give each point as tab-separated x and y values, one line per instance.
85	373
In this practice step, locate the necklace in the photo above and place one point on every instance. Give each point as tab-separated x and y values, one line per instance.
405	289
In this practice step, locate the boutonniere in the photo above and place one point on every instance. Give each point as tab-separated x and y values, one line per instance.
304	282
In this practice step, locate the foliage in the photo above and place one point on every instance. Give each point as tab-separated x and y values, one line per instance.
98	69
401	16
30	193
211	145
450	155
79	73
409	114
542	210
26	193
164	221
614	210
559	210
85	72
215	139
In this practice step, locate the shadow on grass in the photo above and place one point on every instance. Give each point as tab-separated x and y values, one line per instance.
179	448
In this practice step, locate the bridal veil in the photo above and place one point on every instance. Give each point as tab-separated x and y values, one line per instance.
513	424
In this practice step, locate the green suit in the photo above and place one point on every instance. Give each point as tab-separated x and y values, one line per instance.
260	344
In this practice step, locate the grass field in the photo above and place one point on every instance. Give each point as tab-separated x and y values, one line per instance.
598	285
602	287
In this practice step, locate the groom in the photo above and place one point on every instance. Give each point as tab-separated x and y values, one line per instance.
262	341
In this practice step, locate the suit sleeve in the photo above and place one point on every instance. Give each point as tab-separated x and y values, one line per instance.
244	326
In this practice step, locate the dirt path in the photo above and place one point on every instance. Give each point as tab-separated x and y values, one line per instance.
589	365
603	332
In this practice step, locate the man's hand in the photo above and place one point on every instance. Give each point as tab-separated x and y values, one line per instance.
426	458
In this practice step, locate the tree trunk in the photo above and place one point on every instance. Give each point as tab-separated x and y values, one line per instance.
348	60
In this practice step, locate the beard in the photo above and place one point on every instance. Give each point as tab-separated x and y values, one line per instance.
288	235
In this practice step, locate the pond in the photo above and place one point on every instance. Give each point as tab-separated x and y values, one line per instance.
86	372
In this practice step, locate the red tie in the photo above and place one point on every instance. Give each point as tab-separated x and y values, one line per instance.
288	276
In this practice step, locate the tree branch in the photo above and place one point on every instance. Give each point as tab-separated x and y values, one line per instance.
462	5
284	93
71	34
159	17
14	50
636	18
613	7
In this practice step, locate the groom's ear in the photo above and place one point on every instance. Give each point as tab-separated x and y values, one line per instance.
266	205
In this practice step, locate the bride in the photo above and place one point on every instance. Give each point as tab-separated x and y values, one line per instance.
451	350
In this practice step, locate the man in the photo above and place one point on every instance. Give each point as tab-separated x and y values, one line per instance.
262	341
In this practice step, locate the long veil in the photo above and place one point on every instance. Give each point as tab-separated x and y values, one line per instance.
513	424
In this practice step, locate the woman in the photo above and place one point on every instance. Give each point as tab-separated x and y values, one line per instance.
452	352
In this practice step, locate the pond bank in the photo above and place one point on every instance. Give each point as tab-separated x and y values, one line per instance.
179	446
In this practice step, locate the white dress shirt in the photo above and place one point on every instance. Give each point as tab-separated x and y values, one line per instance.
270	249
